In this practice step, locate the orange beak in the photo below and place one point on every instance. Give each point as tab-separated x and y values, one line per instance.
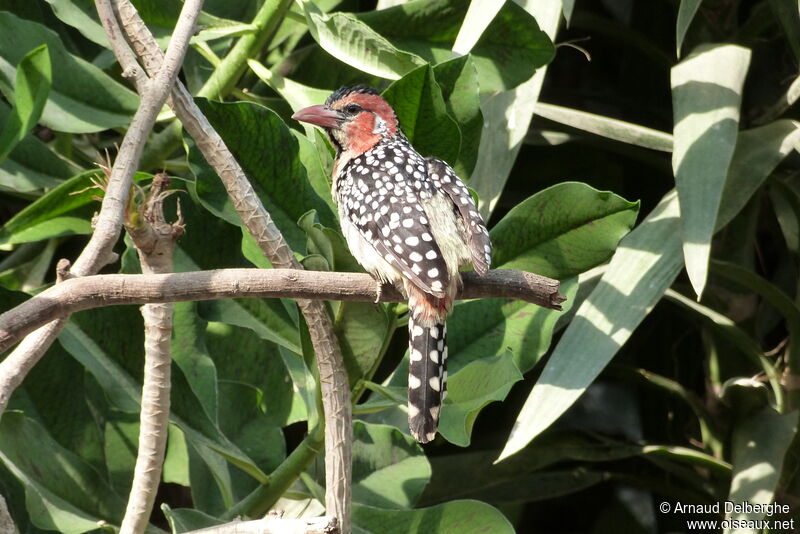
319	116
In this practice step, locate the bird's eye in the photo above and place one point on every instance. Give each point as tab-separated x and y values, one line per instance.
352	109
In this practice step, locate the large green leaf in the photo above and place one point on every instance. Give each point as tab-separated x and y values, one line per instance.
646	263
81	15
562	231
189	352
63	493
511	48
507	116
686	13
124	393
32	87
464	517
417	100
706	95
83	98
489	327
390	469
31	166
479	16
351	41
760	443
269	155
161	16
257	365
470	390
64	210
523	477
458	81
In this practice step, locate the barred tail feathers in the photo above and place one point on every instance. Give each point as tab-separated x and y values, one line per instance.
427	377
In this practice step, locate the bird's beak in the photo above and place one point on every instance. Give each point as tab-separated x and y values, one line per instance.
320	116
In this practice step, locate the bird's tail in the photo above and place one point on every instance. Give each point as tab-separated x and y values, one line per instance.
427	376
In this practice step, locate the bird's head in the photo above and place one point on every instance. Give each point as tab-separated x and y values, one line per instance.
355	118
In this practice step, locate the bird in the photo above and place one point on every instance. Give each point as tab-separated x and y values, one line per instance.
410	222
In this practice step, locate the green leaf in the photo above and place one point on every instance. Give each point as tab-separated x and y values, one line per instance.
361	329
189	352
30	93
418	102
686	13
706	95
83	99
31	166
645	264
176	461
562	231
507	116
63	493
607	127
124	393
488	327
479	16
760	444
390	469
64	210
269	155
508	52
569	6
352	42
68	419
265	317
120	439
479	383
296	94
523	478
786	204
464	517
788	15
161	16
28	266
458	81
82	16
186	520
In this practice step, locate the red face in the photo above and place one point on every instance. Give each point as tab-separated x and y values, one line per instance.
356	121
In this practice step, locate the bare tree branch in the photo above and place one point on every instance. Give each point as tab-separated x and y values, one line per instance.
154	239
333	377
7	525
97	291
99	251
313	525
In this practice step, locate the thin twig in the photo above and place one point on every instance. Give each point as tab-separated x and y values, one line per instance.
99	251
85	293
333	377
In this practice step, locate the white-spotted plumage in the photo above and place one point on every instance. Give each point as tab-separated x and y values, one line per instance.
408	220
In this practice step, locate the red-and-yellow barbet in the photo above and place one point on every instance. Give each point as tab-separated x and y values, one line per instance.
408	220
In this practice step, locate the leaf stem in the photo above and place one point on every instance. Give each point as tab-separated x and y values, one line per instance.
266	495
225	76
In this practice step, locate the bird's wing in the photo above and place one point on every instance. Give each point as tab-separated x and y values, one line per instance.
477	236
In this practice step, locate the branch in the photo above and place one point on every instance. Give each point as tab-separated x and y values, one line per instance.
334	384
97	291
154	239
98	252
312	525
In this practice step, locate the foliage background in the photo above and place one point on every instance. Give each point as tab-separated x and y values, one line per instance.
698	405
